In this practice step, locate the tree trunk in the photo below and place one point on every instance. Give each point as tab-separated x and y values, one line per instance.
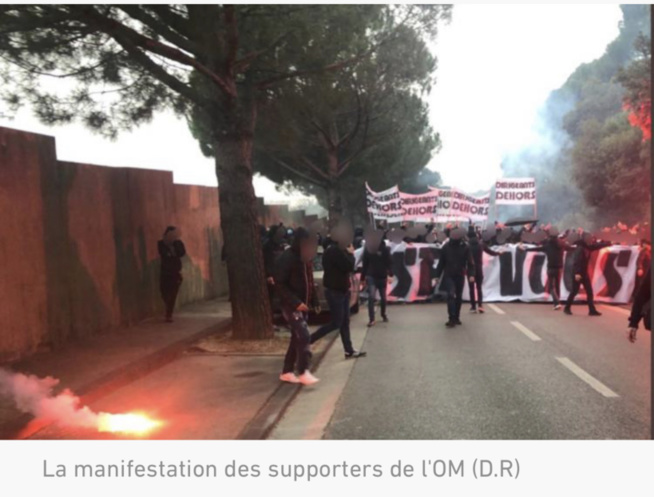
251	314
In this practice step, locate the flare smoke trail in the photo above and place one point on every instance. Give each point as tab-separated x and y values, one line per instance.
35	396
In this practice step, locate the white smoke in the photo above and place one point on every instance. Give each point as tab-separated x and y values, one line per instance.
34	395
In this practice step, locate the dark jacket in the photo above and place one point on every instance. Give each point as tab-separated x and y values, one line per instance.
553	248
272	250
582	255
171	257
377	264
477	249
294	281
455	260
642	307
338	265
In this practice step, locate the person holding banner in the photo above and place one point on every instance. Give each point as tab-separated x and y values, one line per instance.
477	248
582	253
454	263
553	248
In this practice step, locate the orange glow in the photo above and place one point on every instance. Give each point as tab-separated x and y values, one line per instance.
132	423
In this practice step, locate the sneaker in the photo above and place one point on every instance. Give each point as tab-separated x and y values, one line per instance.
473	310
594	312
457	321
450	324
557	307
289	378
355	354
385	319
372	323
307	378
567	311
481	310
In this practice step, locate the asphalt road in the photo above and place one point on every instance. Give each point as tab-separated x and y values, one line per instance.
527	372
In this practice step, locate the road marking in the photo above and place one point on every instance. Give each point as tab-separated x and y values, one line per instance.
526	331
496	309
583	375
620	310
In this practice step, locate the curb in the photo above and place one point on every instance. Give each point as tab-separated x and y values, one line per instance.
263	422
21	427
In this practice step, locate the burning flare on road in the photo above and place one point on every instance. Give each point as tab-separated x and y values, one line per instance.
35	396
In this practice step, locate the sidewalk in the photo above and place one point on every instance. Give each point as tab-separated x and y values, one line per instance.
95	367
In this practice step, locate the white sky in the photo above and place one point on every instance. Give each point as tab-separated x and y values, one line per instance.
497	64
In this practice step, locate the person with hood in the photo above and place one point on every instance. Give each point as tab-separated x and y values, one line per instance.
273	248
454	263
338	266
376	269
477	248
295	288
553	248
171	250
642	307
582	253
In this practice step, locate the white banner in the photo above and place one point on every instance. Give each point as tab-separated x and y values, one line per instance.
515	191
384	205
514	275
455	205
420	208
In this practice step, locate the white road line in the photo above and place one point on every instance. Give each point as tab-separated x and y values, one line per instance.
526	331
583	375
496	309
620	310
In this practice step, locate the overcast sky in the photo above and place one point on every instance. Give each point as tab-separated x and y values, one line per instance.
497	64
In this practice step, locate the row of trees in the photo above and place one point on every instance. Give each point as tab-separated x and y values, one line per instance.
315	96
596	166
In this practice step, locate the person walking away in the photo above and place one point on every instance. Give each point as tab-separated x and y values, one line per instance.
338	266
454	263
553	248
273	248
582	253
295	288
642	308
376	269
477	249
171	250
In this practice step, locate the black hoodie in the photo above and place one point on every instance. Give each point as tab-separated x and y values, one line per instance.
553	248
455	260
294	280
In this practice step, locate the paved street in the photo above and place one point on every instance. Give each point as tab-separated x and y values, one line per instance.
521	371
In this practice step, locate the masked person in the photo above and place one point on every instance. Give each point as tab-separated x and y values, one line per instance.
553	248
295	288
376	268
338	266
642	308
273	248
171	251
477	248
454	263
584	247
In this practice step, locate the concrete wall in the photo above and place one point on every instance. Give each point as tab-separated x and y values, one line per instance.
78	245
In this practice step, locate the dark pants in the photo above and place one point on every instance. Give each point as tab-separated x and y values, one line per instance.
554	283
454	289
169	286
375	284
299	350
339	308
588	286
476	296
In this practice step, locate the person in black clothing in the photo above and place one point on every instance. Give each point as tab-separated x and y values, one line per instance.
582	252
553	248
477	248
338	265
171	251
273	247
642	307
294	285
454	262
376	268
